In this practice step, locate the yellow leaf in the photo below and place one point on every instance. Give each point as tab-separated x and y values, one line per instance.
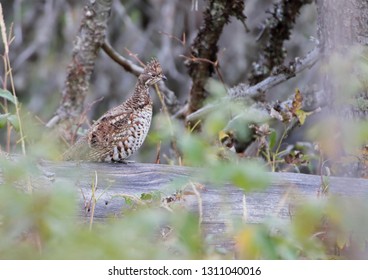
245	244
297	101
301	115
342	240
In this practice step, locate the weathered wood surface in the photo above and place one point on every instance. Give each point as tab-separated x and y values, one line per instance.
219	204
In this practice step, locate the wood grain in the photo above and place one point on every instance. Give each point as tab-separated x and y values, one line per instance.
220	205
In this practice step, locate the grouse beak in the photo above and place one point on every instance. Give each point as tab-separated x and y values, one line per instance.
164	78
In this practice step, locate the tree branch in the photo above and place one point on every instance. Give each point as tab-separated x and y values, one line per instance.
87	43
216	15
282	75
278	26
244	91
127	64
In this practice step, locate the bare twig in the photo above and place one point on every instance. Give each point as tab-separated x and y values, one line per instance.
164	108
158	151
127	64
135	56
93	200
171	101
215	64
82	119
182	41
200	204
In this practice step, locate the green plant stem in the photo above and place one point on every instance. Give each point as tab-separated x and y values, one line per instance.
17	109
276	153
9	75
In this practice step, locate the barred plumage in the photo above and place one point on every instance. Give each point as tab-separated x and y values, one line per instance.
120	132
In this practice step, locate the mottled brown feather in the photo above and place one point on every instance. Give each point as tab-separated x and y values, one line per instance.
118	133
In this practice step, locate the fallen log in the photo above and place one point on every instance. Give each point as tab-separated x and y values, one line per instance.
104	188
215	205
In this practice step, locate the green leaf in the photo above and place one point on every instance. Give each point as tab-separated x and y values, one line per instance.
8	96
3	120
146	196
248	176
194	149
13	119
273	138
128	201
216	88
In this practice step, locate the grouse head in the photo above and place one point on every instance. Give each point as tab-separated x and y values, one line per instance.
152	73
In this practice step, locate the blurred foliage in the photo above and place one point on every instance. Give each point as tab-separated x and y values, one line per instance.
44	32
45	225
324	228
41	222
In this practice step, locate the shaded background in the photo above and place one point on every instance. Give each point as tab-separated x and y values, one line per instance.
44	33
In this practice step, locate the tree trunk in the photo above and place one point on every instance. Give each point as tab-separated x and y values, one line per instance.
204	48
87	43
343	37
342	23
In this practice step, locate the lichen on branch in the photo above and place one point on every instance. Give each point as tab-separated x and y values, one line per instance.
278	28
88	41
204	48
